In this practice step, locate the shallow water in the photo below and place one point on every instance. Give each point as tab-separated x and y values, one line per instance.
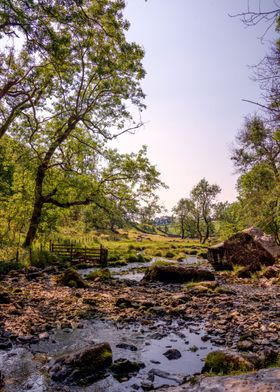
131	271
25	372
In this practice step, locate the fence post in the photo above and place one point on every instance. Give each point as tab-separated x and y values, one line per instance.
85	256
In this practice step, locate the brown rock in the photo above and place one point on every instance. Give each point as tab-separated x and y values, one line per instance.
250	247
174	273
82	366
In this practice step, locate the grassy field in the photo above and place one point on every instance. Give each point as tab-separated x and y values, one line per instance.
123	247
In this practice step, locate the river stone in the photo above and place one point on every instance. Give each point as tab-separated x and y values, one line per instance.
265	380
125	368
82	366
226	362
172	353
177	274
127	346
71	278
250	247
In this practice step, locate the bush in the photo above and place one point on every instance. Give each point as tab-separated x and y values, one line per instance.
44	258
7	266
169	255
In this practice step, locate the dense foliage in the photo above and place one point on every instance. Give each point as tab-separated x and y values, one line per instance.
68	83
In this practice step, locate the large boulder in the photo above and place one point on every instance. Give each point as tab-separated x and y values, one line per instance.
174	273
251	248
82	366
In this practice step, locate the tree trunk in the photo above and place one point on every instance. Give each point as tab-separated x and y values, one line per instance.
198	230
37	208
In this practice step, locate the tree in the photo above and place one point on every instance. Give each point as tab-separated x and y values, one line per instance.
259	197
257	152
256	144
146	213
88	77
203	196
254	15
229	219
195	215
184	216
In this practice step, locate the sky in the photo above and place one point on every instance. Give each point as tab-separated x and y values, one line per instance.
198	62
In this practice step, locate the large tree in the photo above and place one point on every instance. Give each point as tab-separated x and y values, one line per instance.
87	77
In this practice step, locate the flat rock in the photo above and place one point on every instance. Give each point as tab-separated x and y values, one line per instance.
177	274
265	380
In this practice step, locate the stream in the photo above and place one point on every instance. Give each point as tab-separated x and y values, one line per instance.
131	271
25	367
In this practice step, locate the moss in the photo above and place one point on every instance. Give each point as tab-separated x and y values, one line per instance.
72	283
223	363
101	274
118	263
132	258
82	266
209	285
158	254
106	356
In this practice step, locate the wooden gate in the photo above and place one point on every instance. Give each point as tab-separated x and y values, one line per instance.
77	254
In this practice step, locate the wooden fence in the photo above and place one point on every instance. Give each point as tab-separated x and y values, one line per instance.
77	254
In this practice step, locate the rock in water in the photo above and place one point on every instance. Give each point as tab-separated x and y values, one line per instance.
82	366
174	273
172	353
225	362
125	368
251	248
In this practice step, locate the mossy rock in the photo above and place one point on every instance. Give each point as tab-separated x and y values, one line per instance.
174	273
71	278
82	366
225	363
101	275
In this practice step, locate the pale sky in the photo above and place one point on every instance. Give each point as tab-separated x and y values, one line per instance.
197	62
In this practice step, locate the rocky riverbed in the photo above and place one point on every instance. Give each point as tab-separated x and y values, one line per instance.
144	322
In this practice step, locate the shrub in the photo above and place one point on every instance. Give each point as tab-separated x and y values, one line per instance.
44	258
169	255
7	266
